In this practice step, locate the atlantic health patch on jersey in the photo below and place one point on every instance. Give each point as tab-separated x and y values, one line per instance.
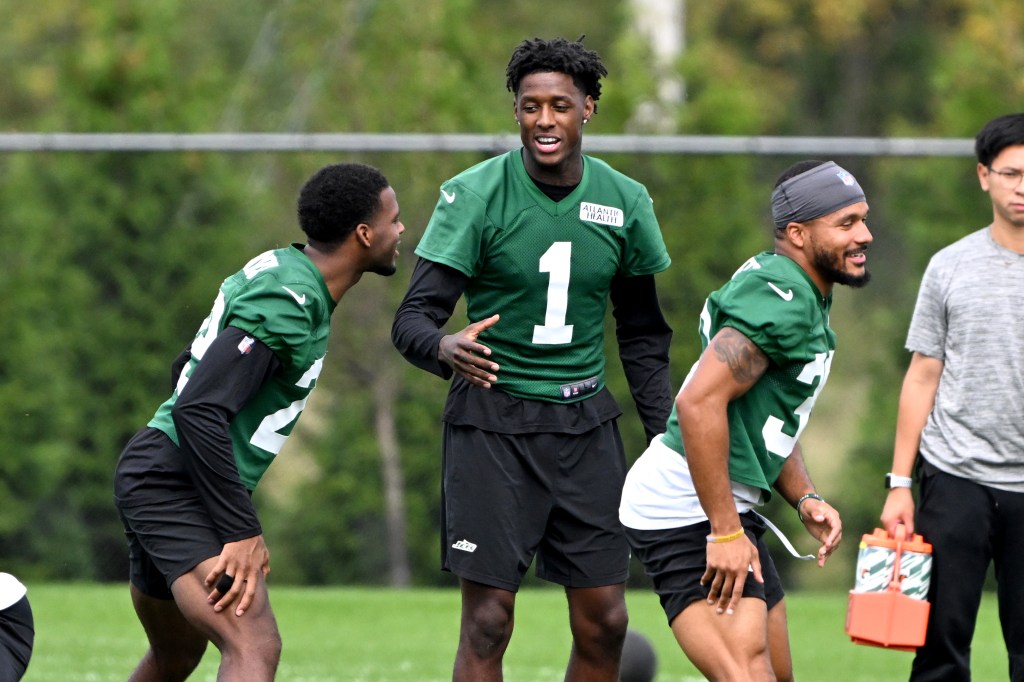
605	215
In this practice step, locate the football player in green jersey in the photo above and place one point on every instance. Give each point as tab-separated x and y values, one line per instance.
538	240
183	484
733	436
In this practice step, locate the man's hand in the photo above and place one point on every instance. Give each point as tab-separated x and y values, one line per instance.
823	523
898	509
466	357
238	568
727	569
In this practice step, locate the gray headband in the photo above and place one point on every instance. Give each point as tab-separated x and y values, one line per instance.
814	193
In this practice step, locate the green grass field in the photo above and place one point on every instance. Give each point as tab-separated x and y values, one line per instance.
88	633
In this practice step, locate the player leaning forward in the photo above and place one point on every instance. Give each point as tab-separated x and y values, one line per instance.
183	483
733	434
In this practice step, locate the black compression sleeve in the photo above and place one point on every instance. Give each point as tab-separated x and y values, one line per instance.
433	292
220	385
644	339
179	364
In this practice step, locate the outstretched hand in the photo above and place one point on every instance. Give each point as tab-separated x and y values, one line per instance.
822	521
236	573
466	357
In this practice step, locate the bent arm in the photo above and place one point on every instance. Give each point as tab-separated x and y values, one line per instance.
820	518
434	289
220	385
644	338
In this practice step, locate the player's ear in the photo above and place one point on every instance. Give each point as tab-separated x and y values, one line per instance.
796	233
364	234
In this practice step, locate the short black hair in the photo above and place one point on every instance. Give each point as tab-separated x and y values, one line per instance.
796	169
557	55
337	198
998	134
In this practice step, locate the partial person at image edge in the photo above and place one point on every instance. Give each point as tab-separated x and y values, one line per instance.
960	421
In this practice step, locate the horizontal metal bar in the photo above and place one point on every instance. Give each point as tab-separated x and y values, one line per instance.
478	142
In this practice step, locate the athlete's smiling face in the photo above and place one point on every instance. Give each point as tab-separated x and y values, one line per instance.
838	243
551	110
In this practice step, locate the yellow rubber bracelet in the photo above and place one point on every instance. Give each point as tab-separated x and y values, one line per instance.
726	538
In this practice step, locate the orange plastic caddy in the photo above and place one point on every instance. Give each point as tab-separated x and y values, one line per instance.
887	605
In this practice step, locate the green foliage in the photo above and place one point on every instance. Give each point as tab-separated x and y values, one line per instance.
108	262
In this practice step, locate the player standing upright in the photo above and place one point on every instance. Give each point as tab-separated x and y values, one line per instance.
537	240
183	484
960	424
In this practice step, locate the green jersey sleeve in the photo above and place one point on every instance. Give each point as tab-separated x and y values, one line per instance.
776	314
644	251
280	315
455	234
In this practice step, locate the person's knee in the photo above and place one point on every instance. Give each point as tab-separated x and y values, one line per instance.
603	623
270	648
487	626
180	663
255	654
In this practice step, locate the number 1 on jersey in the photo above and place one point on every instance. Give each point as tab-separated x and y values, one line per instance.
556	261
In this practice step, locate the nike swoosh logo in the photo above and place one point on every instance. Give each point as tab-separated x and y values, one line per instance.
448	197
301	300
786	295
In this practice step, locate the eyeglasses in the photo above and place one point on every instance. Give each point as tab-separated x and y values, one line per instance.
1009	179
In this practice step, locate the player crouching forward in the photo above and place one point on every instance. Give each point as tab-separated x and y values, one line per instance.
183	484
688	502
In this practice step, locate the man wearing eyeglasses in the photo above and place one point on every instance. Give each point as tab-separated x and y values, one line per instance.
960	424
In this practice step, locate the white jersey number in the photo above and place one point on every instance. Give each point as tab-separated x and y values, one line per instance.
782	444
267	436
556	260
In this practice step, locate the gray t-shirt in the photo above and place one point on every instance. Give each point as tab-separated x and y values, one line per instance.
970	315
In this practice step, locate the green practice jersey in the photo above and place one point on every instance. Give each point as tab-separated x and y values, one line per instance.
544	266
774	303
280	298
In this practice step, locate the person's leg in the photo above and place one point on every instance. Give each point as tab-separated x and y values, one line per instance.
954	515
778	622
250	645
598	620
584	548
494	511
175	647
778	643
1009	564
733	648
485	630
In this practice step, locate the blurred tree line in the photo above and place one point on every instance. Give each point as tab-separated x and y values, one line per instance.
111	260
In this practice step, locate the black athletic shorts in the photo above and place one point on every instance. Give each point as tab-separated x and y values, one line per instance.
508	498
169	532
17	633
676	558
